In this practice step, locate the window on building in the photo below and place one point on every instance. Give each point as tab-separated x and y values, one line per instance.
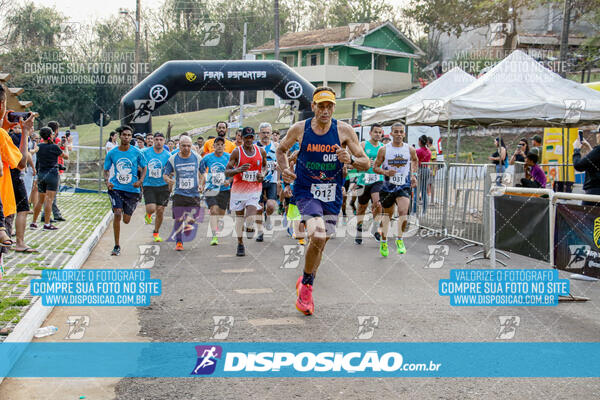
289	60
313	59
333	58
380	62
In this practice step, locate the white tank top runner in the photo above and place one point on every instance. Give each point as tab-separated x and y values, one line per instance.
398	159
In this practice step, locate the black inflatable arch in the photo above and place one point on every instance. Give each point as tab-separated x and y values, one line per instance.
197	75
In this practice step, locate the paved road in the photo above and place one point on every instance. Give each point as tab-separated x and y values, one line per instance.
353	281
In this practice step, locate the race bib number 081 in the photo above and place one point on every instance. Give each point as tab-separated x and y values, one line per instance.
323	191
155	172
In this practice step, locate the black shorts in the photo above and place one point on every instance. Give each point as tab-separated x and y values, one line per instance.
20	191
48	180
158	195
367	190
126	201
219	199
388	199
186	201
269	191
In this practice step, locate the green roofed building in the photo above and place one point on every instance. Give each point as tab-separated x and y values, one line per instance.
357	60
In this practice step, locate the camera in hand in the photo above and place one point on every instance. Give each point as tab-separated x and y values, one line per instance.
14	116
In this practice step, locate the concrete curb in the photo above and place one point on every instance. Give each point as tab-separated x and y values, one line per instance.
38	313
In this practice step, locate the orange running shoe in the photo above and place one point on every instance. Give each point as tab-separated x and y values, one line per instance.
304	303
179	246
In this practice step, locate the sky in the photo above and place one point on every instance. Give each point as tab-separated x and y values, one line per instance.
87	11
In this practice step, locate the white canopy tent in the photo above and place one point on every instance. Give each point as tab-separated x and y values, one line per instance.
450	82
518	91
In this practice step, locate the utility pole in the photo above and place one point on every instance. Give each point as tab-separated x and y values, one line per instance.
564	38
241	119
138	10
276	9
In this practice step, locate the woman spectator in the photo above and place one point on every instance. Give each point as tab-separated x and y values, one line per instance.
47	167
424	156
521	152
111	143
30	177
499	157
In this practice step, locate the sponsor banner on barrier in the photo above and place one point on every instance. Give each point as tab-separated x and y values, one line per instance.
577	239
309	359
528	236
507	287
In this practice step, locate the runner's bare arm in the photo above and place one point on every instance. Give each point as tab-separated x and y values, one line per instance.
349	140
230	169
263	168
379	160
293	135
414	165
138	183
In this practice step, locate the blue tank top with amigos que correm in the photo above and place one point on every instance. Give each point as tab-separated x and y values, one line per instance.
319	174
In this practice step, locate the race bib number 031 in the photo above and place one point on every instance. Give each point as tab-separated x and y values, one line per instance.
249	176
323	191
398	180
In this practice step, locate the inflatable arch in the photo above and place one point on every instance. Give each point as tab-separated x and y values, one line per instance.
174	76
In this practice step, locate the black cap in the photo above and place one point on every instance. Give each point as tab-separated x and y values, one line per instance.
219	139
248	131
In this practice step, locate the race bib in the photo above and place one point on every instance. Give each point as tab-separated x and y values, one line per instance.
155	173
371	178
218	179
249	176
186	183
398	180
323	191
272	165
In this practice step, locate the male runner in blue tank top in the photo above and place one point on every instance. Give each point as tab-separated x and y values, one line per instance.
319	179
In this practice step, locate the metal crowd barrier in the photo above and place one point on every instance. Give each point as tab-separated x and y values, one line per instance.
450	199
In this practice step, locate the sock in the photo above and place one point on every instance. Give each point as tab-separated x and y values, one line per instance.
308	279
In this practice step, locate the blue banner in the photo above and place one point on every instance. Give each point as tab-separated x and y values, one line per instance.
224	359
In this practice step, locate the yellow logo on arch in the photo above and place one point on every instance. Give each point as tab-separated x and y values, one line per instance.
190	76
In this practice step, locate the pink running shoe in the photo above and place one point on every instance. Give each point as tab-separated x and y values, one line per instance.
304	303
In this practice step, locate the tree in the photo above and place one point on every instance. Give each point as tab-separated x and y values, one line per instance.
33	26
458	16
343	12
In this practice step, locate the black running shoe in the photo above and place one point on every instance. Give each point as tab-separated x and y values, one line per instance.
116	251
241	252
260	237
60	219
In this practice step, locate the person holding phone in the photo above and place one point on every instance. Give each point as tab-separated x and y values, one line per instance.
587	159
521	152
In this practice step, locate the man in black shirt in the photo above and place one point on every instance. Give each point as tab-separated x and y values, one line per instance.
587	159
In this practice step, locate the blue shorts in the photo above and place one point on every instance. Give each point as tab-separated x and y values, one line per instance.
311	208
388	199
126	201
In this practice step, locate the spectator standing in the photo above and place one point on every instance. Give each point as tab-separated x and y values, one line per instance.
499	158
21	199
55	210
111	143
536	146
30	177
48	178
587	159
424	156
